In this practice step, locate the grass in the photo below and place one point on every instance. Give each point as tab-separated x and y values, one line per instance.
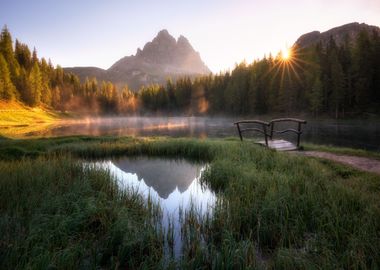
274	210
17	119
58	214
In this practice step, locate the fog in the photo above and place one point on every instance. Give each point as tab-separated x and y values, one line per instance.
350	133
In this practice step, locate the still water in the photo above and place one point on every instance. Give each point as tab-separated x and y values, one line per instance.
350	133
173	184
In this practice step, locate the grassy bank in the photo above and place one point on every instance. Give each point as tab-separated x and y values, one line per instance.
274	210
17	119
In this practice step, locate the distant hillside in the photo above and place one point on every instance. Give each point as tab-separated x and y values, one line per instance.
161	58
90	72
339	34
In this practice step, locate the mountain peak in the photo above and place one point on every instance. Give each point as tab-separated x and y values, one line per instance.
184	43
159	59
163	32
339	34
164	37
182	39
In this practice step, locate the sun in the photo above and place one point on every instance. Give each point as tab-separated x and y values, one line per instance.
286	54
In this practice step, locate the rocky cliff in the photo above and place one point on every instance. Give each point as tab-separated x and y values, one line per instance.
340	34
159	59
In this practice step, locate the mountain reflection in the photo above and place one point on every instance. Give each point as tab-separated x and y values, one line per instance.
164	176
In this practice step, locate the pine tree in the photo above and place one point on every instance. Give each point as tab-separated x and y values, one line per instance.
23	55
170	88
316	97
7	89
34	56
35	86
56	98
6	49
337	84
363	70
46	94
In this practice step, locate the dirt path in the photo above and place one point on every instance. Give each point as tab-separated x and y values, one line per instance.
361	163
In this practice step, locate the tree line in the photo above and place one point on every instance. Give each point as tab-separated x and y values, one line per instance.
36	82
326	79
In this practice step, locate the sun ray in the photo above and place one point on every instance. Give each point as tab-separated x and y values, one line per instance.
282	77
286	66
295	73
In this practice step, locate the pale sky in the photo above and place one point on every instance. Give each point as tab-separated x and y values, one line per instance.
224	32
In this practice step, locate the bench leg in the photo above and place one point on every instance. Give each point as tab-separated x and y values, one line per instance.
299	135
265	135
238	127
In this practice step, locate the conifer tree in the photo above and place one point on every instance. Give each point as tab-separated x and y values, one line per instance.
6	49
46	94
7	89
316	97
337	84
35	86
34	56
23	55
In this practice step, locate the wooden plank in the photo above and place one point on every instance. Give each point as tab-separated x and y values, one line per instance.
280	145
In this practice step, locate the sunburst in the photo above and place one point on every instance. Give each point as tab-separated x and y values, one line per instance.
286	54
287	65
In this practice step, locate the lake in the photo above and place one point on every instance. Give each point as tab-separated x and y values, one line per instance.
363	134
173	184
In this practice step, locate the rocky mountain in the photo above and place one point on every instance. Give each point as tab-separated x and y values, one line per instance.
159	59
339	34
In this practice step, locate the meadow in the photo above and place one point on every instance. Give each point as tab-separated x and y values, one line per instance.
274	210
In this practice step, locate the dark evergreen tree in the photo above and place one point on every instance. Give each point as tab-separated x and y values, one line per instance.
6	49
7	89
34	86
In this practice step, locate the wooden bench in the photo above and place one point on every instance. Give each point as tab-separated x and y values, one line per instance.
268	130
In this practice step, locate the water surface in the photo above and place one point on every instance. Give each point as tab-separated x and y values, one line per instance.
350	133
173	184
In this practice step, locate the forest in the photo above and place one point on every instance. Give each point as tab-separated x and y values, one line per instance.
322	80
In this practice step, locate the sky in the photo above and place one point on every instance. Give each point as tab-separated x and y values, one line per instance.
224	32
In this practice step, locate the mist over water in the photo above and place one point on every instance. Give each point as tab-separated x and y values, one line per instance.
349	133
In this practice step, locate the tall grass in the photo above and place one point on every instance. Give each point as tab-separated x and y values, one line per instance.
58	213
301	213
274	210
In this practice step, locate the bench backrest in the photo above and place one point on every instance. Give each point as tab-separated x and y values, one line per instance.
267	128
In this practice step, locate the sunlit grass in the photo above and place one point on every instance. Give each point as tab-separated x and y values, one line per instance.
17	120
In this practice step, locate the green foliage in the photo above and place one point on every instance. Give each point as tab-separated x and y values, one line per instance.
7	89
6	49
316	96
23	55
34	88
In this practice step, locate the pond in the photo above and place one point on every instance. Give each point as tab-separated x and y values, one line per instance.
363	134
173	184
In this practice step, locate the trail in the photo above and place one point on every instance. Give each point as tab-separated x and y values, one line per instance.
361	163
